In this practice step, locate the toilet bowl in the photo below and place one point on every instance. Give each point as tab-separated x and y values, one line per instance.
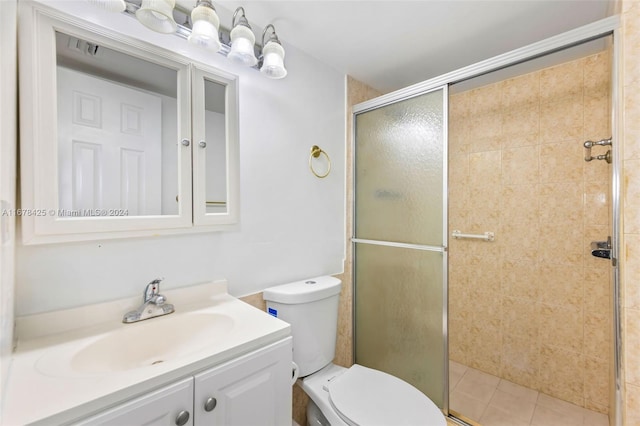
363	396
341	396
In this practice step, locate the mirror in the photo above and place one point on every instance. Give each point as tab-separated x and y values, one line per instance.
117	132
121	137
216	147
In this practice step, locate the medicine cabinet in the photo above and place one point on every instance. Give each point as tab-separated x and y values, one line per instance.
119	137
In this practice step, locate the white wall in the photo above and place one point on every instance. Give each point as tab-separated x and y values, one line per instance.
291	223
8	128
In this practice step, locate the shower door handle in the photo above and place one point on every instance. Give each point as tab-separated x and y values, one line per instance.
601	248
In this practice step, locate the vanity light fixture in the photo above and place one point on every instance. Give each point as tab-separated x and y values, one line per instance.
205	26
272	55
239	44
242	40
157	15
110	5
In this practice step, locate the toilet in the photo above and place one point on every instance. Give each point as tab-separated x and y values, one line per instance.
341	396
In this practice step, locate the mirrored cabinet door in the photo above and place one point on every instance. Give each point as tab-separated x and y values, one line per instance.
102	120
120	138
215	151
117	132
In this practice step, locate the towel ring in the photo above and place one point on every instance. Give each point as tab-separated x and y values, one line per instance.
315	153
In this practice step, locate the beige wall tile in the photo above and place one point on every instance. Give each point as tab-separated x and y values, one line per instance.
631	44
631	146
631	185
520	318
596	202
632	399
487	353
562	162
596	381
563	374
520	240
631	196
520	203
520	361
632	343
562	119
563	326
520	279
523	120
255	300
597	120
458	138
486	99
597	291
520	165
521	91
631	256
597	337
562	81
300	400
564	285
485	169
561	201
561	242
516	140
597	70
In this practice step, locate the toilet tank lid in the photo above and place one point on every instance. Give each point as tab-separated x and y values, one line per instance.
303	291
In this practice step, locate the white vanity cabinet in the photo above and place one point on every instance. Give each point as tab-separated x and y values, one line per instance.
251	390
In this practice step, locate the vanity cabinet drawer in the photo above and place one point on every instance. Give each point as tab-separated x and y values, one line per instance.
168	406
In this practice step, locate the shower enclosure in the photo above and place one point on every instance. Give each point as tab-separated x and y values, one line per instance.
531	309
399	225
474	213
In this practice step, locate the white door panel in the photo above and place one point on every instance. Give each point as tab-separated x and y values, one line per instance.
109	140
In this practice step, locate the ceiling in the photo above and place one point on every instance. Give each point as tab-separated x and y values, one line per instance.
393	44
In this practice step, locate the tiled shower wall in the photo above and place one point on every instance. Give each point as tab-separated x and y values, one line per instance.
533	306
630	84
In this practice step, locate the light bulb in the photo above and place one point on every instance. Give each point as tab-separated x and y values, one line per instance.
273	60
205	26
242	41
157	15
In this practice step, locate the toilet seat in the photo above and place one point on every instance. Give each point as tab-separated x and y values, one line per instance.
363	396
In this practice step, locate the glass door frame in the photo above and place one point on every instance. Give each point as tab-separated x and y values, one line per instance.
443	248
595	30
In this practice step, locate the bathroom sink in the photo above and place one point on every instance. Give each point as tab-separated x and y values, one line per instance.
142	344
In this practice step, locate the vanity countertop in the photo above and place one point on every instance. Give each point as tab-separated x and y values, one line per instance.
46	386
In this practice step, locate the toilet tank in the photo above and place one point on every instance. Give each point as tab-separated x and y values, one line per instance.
311	308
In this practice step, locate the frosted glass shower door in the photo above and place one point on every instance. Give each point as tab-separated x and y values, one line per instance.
399	241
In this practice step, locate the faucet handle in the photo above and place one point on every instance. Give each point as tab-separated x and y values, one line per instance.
152	289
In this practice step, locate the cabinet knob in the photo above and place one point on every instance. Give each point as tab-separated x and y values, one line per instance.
183	418
185	142
210	404
202	144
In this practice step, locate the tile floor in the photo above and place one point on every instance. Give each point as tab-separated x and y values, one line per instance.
492	401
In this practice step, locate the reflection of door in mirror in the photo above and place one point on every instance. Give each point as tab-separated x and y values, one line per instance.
216	148
116	132
109	146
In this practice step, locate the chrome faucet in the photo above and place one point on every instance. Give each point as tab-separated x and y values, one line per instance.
153	304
